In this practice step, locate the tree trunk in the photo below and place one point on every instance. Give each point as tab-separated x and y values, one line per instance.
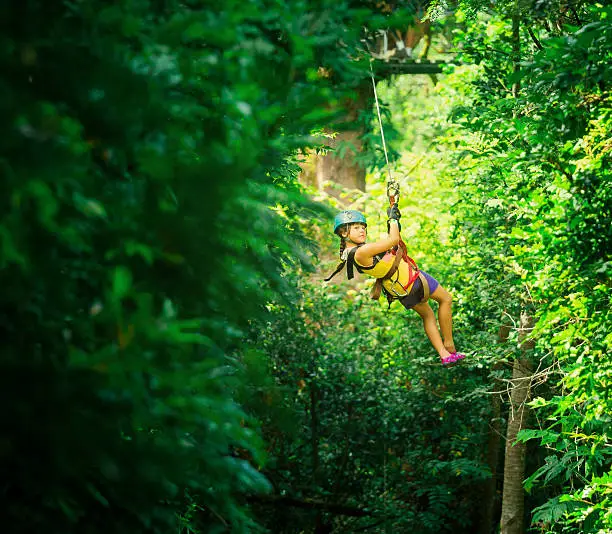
337	171
488	511
340	168
489	500
513	500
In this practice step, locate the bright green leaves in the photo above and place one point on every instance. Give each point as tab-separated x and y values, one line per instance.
534	218
553	511
546	437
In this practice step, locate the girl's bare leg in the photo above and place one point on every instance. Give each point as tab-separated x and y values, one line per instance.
431	328
445	316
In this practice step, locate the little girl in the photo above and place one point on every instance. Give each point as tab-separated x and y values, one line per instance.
397	275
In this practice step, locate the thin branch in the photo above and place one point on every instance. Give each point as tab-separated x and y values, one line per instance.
511	319
575	13
560	168
489	48
534	39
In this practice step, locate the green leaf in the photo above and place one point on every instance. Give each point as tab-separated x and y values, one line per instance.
122	282
552	511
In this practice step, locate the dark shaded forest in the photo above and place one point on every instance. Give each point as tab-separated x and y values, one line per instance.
171	359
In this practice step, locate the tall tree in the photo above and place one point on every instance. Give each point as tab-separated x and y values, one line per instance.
399	29
339	163
513	499
544	147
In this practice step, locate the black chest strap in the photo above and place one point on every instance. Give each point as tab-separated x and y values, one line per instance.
350	265
338	269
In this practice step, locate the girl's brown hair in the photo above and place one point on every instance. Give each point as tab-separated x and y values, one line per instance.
342	229
342	245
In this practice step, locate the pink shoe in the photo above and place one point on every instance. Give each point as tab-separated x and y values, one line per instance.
454	357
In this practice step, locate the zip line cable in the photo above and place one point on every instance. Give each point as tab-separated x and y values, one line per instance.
382	131
393	190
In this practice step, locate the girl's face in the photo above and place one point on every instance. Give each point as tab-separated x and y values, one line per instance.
357	233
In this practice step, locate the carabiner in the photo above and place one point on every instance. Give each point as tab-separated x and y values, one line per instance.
393	192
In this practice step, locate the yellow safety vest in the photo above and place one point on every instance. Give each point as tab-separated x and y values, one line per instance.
401	282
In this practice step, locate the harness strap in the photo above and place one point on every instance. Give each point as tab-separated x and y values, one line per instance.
338	269
426	291
350	262
410	262
378	285
400	253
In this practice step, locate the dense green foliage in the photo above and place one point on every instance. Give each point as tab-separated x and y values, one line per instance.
377	423
368	418
145	143
169	361
513	214
536	209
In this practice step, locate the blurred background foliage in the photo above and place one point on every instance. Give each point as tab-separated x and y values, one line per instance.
171	360
146	143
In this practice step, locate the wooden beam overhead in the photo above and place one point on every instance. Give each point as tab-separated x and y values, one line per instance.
409	66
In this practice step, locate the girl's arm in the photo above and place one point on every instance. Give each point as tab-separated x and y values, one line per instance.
366	253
